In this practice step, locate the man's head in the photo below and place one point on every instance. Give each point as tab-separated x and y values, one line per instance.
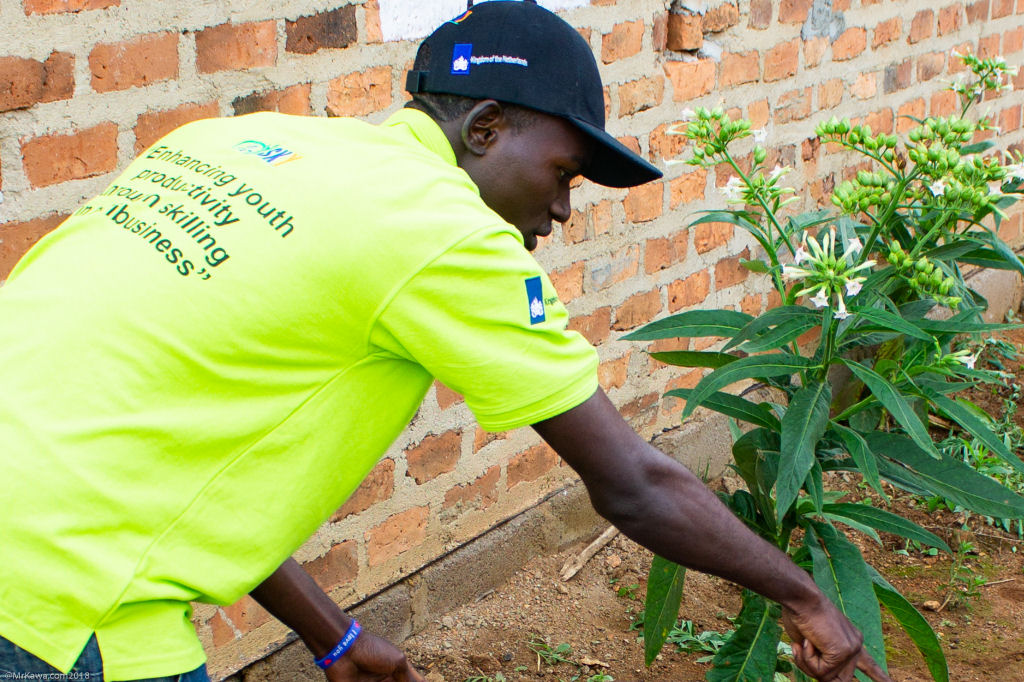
518	93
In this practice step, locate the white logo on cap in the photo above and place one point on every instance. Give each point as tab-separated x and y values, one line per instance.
460	64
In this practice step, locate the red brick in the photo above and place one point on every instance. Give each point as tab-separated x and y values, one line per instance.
378	486
690	80
915	108
372	14
751	304
709	236
1010	229
1010	118
236	46
943	103
134	63
956	64
688	187
897	76
643	203
758	113
887	31
729	272
433	456
595	327
61	6
740	68
794	11
574	230
568	281
399	533
688	292
1013	41
865	86
153	125
638	309
782	61
622	265
21	82
246	614
340	565
662	145
659	32
292	100
794	105
830	93
483	490
360	93
601	216
613	373
52	159
531	465
921	26
684	32
881	121
445	396
950	19
58	77
481	438
625	40
977	11
638	411
17	238
640	95
331	29
760	13
721	17
988	46
930	65
1002	8
221	629
814	51
850	44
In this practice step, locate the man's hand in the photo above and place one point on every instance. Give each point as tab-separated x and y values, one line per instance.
826	645
372	659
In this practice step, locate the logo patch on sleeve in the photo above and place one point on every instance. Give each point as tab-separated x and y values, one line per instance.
461	54
535	299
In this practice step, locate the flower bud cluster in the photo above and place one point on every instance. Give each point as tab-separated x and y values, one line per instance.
923	276
711	131
826	275
870	189
991	73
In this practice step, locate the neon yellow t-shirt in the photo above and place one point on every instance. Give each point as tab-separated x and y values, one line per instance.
203	362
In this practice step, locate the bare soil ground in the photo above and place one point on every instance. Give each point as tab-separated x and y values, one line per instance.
983	634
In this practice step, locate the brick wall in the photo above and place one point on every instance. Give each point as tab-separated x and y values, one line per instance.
89	83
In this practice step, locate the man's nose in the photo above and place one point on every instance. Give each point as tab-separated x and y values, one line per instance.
561	207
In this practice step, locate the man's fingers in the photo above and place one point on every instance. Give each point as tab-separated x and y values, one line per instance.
867	665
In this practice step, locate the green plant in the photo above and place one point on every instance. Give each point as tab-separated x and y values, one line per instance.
628	591
914	213
550	655
964	583
498	677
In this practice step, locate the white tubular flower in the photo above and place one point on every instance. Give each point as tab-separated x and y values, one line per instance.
855	246
853	286
800	255
821	300
779	171
1015	171
733	190
688	115
970	360
760	135
794	273
841	312
938	188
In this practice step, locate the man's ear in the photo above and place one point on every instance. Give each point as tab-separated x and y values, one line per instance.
482	125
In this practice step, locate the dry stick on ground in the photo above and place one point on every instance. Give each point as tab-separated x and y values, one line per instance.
574	564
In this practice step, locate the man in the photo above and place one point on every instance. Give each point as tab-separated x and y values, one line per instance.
204	361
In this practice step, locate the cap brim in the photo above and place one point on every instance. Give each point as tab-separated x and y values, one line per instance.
612	163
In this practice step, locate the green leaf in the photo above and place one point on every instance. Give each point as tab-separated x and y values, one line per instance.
815	486
842	574
887	320
773	317
751	653
902	461
914	624
1002	249
661	608
738	218
856	525
734	406
755	453
692	358
779	336
758	266
802	428
887	522
773	365
977	147
693	323
953	250
959	326
897	405
976	427
861	455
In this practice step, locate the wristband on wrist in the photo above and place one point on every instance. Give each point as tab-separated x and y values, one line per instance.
342	646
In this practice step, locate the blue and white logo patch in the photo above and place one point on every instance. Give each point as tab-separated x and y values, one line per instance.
460	58
535	298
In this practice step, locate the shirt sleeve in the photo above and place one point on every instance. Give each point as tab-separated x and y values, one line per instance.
484	319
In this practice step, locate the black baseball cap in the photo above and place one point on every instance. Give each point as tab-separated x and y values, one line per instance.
518	52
